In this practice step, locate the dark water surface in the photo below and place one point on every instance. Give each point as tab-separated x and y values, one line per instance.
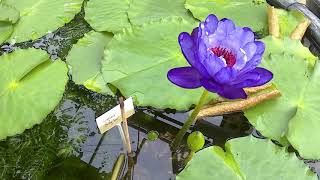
67	144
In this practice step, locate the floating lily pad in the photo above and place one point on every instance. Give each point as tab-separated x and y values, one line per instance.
245	158
38	17
30	88
137	61
6	30
85	60
107	15
250	13
291	113
303	130
143	11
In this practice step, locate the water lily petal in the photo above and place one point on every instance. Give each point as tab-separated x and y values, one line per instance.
260	47
256	77
225	75
185	77
246	36
187	47
226	25
224	91
195	34
250	49
213	64
211	24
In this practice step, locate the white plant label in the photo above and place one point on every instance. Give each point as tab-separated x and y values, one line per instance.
113	117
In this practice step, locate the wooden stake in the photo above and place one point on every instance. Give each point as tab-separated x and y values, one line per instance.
298	32
234	106
274	28
125	125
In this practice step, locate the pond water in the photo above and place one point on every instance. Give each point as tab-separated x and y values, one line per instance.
68	145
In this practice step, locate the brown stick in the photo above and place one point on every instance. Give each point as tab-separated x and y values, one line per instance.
274	28
251	90
299	31
257	89
234	106
125	125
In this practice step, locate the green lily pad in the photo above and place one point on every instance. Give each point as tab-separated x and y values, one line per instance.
137	61
288	20
143	11
8	14
6	30
285	119
107	15
85	60
30	89
250	13
303	130
245	158
38	17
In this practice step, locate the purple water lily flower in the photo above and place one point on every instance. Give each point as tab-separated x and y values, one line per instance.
223	59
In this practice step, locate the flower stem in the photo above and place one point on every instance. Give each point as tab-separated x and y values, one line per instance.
189	157
192	119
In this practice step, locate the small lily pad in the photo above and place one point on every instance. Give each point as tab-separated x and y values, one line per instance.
250	13
30	89
137	61
107	15
85	60
245	158
38	17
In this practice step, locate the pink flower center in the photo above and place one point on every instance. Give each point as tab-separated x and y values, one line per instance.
227	55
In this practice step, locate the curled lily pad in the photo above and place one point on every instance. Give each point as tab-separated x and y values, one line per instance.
245	158
110	15
143	11
30	88
290	118
38	17
251	13
137	61
85	60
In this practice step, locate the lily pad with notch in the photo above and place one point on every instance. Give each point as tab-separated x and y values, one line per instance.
30	88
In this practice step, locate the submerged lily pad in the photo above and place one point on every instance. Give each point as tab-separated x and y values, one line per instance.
85	60
110	15
250	13
285	119
245	158
30	88
137	61
38	17
143	11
